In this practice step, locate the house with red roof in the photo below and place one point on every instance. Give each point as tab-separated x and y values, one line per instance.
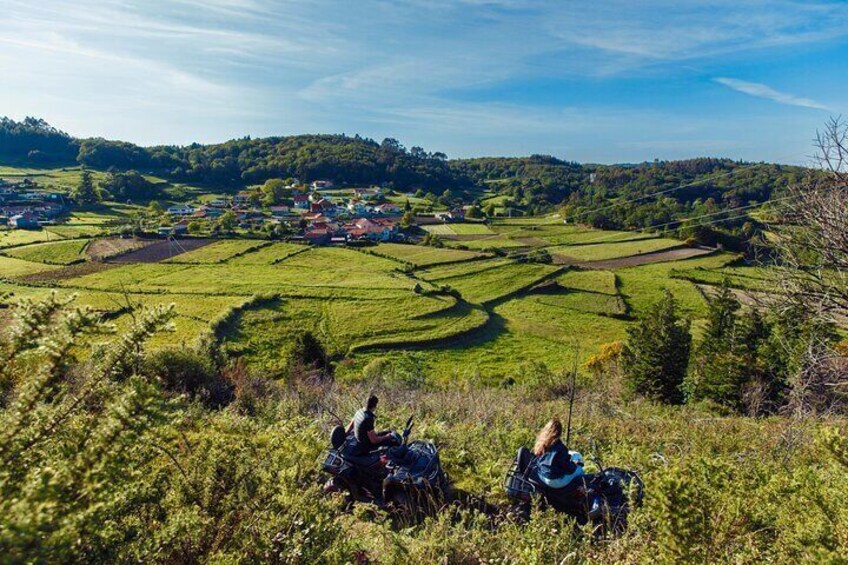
301	201
375	229
323	206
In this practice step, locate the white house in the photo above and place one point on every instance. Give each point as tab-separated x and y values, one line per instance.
321	184
181	210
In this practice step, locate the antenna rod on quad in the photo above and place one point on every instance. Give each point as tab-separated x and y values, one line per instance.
571	402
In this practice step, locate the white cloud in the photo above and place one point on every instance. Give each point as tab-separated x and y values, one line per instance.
764	91
419	69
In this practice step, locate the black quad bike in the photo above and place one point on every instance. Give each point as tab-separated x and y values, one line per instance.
405	476
605	498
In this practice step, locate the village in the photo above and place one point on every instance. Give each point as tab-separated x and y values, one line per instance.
317	213
24	206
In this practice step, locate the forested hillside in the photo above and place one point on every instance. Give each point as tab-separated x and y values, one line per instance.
606	196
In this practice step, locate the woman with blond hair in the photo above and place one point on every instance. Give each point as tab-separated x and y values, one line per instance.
556	467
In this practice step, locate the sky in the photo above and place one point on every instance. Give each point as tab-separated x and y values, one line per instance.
593	81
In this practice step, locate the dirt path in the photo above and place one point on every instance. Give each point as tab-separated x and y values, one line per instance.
675	254
161	250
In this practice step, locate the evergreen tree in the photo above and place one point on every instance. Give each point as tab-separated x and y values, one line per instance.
719	369
85	193
657	352
729	363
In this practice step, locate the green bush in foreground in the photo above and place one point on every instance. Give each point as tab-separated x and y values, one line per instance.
100	463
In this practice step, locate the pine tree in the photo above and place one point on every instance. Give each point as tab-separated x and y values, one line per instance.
657	352
718	372
85	193
727	362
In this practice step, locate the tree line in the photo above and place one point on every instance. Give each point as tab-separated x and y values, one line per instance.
536	184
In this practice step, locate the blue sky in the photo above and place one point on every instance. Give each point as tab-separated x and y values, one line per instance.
593	81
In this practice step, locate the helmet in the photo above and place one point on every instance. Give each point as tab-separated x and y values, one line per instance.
576	458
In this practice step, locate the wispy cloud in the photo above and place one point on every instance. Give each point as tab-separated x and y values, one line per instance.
764	91
455	74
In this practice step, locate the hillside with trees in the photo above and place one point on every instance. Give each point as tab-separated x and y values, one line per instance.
606	196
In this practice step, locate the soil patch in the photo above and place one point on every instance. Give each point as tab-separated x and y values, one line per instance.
110	247
676	254
69	272
161	250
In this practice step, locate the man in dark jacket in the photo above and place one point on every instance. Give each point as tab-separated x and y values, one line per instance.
363	427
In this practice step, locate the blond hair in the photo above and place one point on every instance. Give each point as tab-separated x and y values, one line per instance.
547	436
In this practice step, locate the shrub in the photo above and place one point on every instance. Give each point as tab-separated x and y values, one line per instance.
307	352
404	371
186	371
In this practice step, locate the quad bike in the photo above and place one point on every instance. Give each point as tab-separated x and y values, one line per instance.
405	477
604	498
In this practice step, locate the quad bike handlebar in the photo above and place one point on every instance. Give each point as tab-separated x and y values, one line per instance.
408	428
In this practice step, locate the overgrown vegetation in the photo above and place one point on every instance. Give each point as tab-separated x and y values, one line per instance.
104	461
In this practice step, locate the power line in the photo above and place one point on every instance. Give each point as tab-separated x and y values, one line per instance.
669	190
730	211
646	196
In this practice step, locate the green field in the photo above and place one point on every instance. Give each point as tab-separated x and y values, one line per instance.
439	229
55	253
606	251
603	282
13	238
361	306
268	254
11	267
218	252
421	256
487	242
470	229
485	286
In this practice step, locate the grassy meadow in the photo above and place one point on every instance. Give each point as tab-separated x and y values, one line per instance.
453	314
475	345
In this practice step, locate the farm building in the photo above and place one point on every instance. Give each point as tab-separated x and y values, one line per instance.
376	229
455	215
301	201
368	193
24	221
388	209
242	198
323	206
181	210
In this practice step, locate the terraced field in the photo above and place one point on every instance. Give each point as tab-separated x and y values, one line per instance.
603	251
55	253
488	242
13	238
268	254
219	251
455	313
421	256
492	284
11	267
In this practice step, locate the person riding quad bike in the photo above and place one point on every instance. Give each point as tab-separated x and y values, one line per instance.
363	424
552	476
558	466
384	468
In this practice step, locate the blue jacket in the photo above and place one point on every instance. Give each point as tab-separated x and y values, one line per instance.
556	468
